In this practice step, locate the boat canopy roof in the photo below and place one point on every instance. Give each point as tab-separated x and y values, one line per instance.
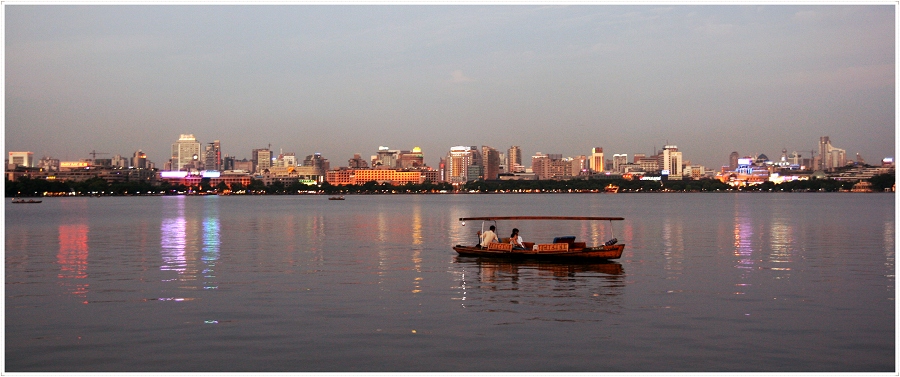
495	218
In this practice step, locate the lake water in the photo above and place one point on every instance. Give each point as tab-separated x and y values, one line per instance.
708	282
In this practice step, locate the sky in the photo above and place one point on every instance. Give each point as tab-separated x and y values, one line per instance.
345	79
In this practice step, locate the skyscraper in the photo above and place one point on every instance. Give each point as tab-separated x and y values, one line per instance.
139	161
185	152
733	161
596	161
491	162
618	161
457	164
671	161
829	156
514	159
262	159
213	156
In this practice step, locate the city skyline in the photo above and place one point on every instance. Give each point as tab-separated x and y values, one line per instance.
340	80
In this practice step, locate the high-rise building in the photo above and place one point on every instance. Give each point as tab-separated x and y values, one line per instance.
413	159
596	162
670	161
48	163
829	156
580	165
490	162
262	160
213	156
457	164
139	160
228	163
25	159
618	161
514	159
550	166
318	162
357	162
186	153
733	161
386	158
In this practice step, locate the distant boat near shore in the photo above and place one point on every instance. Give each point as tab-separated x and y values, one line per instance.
336	198
23	201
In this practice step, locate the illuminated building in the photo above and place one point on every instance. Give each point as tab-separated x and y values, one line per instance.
670	162
185	153
360	176
596	162
25	159
139	160
746	174
195	179
458	162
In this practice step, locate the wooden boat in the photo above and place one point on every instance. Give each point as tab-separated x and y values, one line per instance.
562	248
336	198
20	201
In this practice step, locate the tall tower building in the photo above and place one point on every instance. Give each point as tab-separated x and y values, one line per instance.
262	159
618	161
185	152
139	160
671	161
829	156
733	161
213	156
514	159
386	158
457	164
596	162
491	162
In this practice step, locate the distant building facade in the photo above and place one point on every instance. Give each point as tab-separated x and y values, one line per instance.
185	153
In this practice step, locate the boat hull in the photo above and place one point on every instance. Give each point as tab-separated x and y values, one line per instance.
591	253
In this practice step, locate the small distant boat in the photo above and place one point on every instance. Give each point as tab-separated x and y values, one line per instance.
562	248
336	198
611	188
22	201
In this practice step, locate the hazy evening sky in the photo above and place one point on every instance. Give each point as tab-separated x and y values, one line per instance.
345	79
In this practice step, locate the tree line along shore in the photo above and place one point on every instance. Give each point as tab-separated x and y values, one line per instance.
30	187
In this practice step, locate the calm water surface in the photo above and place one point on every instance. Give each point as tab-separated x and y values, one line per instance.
708	282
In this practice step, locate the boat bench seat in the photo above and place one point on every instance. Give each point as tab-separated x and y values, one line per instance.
551	247
499	246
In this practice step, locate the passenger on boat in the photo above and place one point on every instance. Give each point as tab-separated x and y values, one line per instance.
516	240
488	237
